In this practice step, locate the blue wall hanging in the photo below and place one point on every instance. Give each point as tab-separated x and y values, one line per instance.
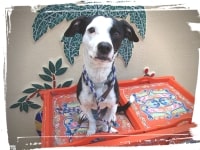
50	16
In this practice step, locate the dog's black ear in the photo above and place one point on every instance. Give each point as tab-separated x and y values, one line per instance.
77	26
129	32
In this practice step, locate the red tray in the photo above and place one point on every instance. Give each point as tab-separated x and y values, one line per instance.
161	109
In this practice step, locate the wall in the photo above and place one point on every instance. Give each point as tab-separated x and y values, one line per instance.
170	48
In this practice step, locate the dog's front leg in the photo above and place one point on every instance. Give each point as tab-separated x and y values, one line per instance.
110	116
92	122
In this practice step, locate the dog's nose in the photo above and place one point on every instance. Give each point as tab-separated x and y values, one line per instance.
104	48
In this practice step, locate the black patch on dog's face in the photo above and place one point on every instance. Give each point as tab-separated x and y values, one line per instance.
78	26
119	31
117	35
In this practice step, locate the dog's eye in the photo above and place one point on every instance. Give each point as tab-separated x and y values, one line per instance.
116	34
91	30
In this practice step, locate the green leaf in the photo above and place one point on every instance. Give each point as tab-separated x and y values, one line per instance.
45	77
29	90
47	71
71	46
138	17
21	107
58	64
38	86
125	50
51	67
25	106
61	71
59	86
22	99
29	102
47	86
67	83
35	106
48	17
15	105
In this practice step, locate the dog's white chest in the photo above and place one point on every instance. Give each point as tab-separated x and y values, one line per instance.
88	99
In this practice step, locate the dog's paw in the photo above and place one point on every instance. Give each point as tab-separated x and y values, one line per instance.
105	128
113	130
90	132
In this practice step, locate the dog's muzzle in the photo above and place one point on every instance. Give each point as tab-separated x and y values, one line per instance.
103	51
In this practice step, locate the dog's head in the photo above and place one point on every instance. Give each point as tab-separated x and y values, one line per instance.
102	36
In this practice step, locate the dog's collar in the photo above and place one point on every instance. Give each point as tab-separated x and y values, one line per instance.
109	82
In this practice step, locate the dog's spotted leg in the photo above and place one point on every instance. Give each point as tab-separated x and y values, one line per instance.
92	122
92	127
108	117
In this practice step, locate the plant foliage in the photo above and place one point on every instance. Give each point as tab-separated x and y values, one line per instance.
49	16
49	75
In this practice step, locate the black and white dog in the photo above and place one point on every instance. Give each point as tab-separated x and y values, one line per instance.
97	88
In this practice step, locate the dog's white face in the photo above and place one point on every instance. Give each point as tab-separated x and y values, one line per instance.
97	40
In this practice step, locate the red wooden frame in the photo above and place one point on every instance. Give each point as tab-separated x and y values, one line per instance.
174	130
